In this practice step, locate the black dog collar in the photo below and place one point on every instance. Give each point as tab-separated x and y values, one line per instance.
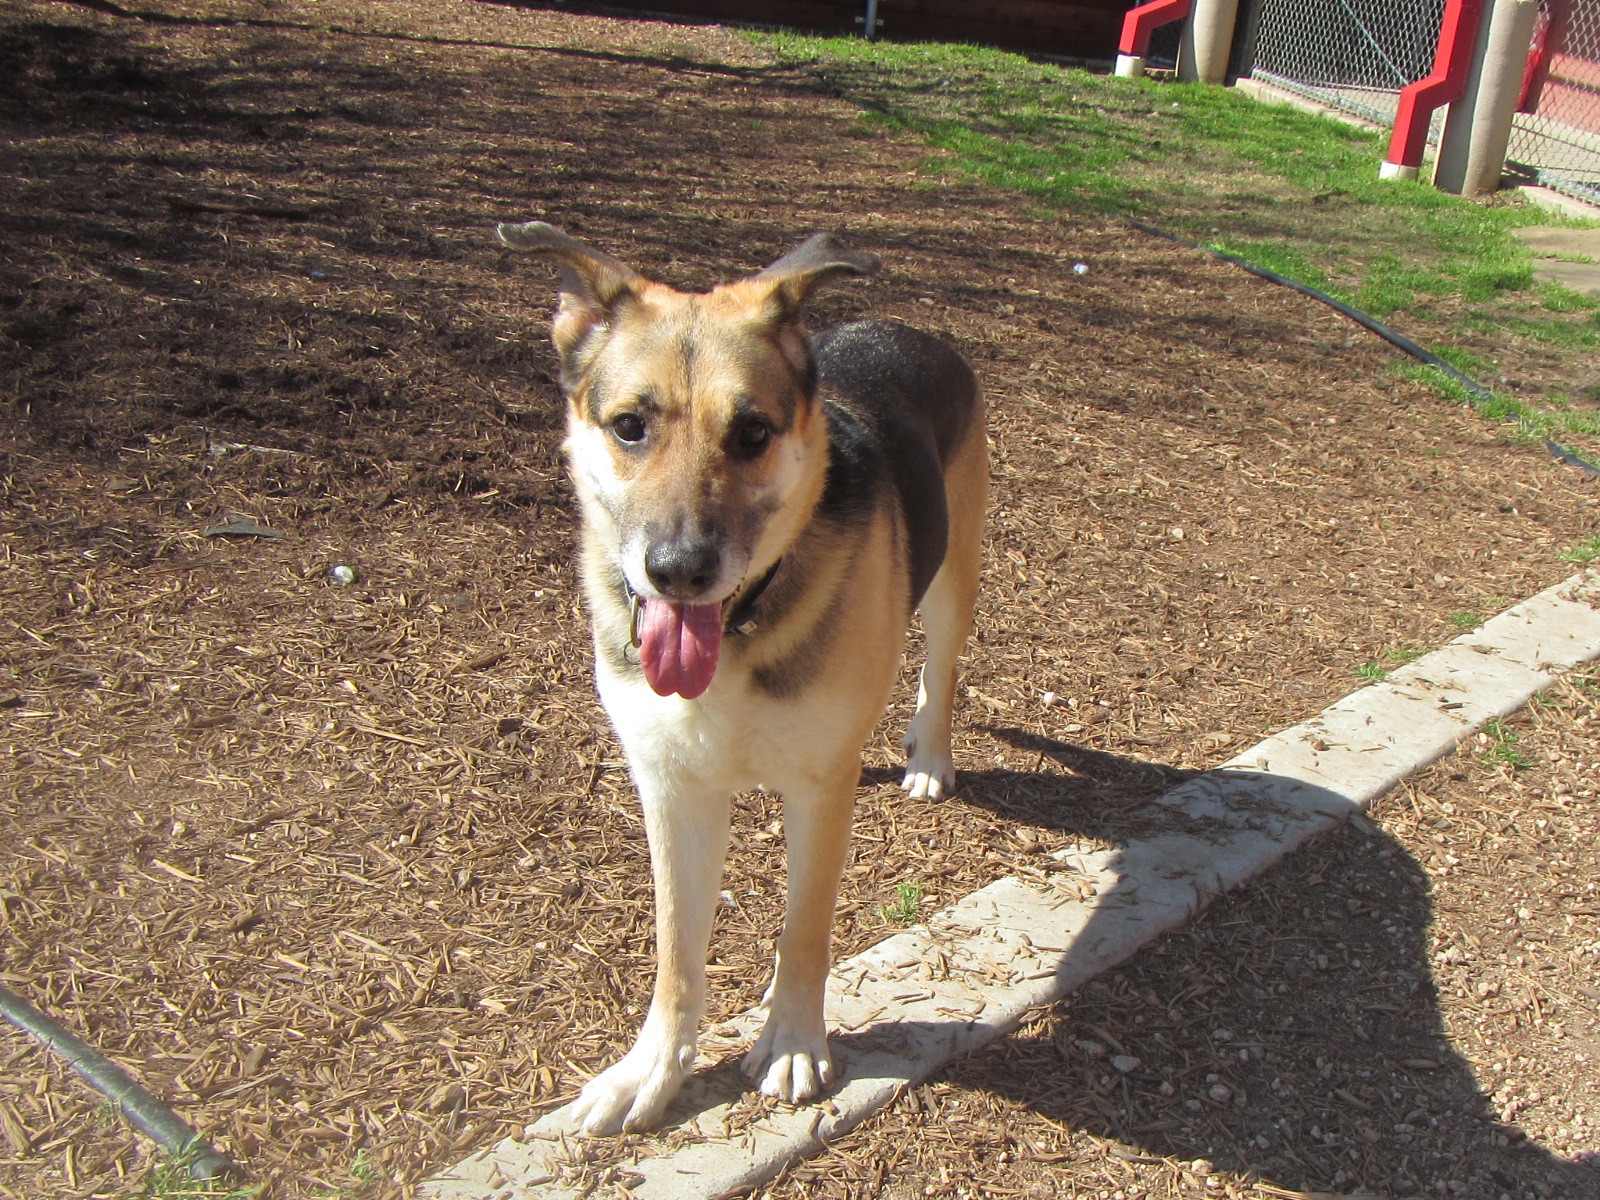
741	619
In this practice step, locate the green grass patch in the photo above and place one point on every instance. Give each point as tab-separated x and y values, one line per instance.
1584	552
1285	260
1464	361
1555	420
907	907
1559	298
1378	669
1503	746
1557	332
1292	191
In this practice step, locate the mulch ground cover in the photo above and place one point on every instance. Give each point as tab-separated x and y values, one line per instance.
1405	1008
351	872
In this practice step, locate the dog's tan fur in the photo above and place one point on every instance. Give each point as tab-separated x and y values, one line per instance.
826	535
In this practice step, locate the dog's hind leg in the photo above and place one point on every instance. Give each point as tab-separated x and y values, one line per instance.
688	832
790	1060
947	621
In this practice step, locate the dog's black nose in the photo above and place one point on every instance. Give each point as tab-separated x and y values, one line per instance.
682	569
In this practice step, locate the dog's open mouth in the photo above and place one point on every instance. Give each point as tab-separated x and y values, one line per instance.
678	646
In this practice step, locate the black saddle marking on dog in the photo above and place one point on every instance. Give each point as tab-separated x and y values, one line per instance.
904	401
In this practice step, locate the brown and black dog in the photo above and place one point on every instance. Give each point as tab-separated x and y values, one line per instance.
763	510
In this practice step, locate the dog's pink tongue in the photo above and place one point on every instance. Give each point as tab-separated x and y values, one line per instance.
678	645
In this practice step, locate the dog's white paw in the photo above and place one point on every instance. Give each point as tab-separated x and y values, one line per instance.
633	1093
930	769
791	1065
929	776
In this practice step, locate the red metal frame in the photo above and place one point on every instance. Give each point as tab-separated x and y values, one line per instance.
1141	22
1458	33
1549	41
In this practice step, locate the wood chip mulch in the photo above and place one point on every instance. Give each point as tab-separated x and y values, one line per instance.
1407	1008
323	835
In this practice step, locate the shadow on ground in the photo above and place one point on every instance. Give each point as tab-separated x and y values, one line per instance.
1290	1034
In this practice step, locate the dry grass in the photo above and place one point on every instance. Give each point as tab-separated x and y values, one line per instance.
352	875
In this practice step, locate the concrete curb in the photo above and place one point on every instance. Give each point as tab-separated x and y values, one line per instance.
912	1003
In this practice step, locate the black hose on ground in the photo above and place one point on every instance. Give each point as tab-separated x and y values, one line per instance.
147	1114
1560	453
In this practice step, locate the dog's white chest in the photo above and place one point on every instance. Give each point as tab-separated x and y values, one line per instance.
732	738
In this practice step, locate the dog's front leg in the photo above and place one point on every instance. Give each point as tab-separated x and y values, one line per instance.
791	1060
688	831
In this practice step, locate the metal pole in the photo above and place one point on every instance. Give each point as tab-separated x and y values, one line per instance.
1451	63
1477	129
869	22
1207	41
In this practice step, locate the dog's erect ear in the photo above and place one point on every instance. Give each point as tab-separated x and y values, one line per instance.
816	261
593	283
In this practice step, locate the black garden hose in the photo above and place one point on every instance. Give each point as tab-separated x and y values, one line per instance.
1560	453
147	1114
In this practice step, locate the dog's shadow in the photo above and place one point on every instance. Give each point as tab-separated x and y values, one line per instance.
1091	799
1291	1033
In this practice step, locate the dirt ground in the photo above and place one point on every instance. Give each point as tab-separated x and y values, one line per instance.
353	876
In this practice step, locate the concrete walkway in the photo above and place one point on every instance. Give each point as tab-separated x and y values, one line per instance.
1555	250
909	1005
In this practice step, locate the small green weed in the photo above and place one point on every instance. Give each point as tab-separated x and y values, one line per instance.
907	908
1379	668
172	1181
1584	552
363	1170
1465	620
1503	746
364	1174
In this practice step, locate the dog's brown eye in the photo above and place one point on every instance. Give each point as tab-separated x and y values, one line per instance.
628	427
751	436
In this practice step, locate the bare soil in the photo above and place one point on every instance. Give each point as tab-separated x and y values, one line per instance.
352	874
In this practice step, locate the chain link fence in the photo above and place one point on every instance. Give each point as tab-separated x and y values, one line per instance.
1556	136
1357	56
1354	55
